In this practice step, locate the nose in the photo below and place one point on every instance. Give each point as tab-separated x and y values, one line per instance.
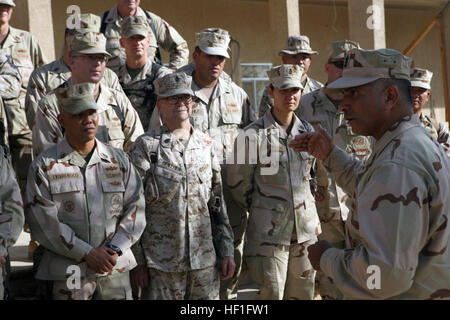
343	105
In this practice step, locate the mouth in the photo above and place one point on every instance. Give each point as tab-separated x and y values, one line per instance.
181	109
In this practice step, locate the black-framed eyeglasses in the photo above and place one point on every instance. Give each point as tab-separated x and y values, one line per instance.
92	57
173	100
338	64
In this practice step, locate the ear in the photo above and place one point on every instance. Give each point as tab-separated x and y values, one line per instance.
327	67
121	42
391	96
270	92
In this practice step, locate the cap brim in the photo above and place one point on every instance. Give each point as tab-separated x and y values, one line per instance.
176	92
420	84
215	51
297	52
288	84
348	82
80	106
140	32
94	51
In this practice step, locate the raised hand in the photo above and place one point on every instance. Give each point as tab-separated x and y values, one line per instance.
318	144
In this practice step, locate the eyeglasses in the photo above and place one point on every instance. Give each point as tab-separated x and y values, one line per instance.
173	100
101	58
338	64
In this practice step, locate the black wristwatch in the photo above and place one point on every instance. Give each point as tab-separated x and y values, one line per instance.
114	248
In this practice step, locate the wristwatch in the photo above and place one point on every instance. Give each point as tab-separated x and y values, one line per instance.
114	248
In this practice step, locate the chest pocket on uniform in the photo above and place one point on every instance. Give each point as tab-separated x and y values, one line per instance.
22	60
205	185
167	182
67	191
113	190
231	111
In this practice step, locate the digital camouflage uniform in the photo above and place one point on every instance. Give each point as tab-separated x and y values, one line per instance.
283	219
422	78
332	203
398	233
10	84
187	222
222	116
140	89
162	35
119	123
294	45
26	54
11	213
50	76
75	204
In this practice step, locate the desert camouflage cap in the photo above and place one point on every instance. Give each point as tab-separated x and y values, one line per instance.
134	26
297	44
213	41
77	98
365	66
338	49
8	2
286	76
173	84
86	22
421	78
89	43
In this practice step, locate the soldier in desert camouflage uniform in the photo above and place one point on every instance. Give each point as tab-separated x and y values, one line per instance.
162	35
187	223
50	76
10	81
26	54
137	74
11	214
298	51
332	202
220	109
421	92
119	123
85	205
399	223
283	219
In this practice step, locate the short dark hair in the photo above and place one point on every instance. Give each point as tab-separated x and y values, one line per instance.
403	85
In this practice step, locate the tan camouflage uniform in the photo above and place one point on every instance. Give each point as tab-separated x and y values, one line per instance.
140	89
332	203
283	219
50	76
74	206
227	111
421	78
26	54
119	123
294	45
186	213
10	82
11	213
437	130
267	102
397	230
399	220
166	37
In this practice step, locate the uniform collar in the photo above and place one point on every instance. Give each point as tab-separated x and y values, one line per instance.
269	122
14	36
196	140
394	131
65	153
222	87
113	15
322	101
125	75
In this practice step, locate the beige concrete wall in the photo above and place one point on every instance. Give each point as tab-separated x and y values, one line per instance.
248	22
